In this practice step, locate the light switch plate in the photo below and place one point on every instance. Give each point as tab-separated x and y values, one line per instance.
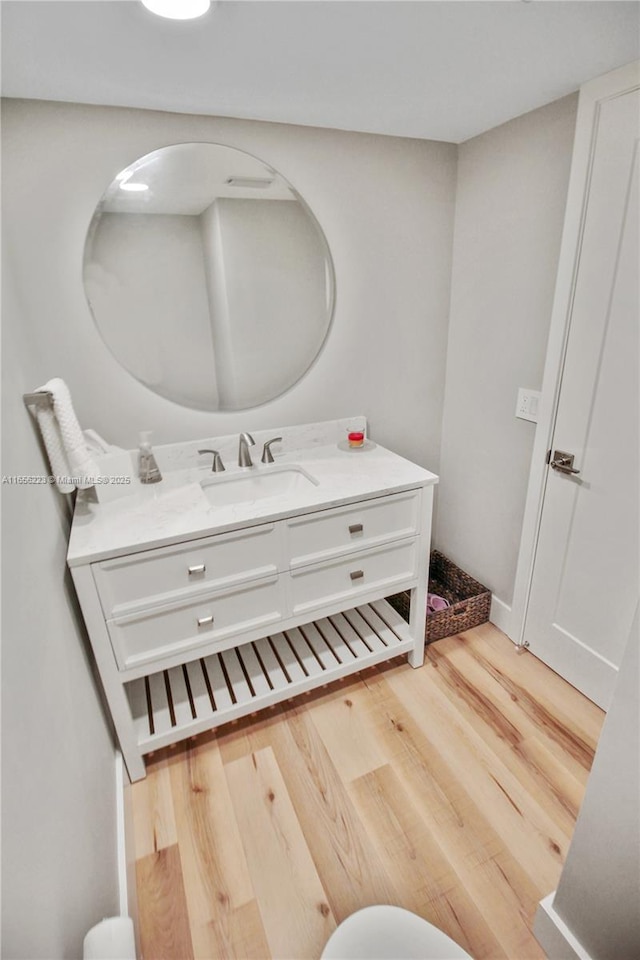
527	405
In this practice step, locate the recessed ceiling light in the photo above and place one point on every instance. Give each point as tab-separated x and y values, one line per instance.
177	9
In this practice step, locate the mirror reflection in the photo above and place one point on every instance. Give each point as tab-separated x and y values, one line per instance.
208	277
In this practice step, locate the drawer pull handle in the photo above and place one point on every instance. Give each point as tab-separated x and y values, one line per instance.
198	568
356	574
355	528
205	621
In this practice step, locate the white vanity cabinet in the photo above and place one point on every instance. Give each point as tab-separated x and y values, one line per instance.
199	632
166	601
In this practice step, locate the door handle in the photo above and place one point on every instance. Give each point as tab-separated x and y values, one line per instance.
563	462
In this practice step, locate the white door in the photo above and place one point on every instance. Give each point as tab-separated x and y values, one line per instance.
585	581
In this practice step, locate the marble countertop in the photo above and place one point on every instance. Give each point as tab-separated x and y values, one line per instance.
177	509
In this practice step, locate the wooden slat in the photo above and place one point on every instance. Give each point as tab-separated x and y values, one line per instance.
350	637
137	700
377	624
319	646
179	697
137	695
361	624
236	677
278	679
303	652
391	617
160	704
335	641
363	628
199	692
217	682
286	657
254	670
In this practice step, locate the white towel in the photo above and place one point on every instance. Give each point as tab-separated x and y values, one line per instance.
58	462
64	440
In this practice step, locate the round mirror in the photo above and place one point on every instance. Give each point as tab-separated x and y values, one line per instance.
208	277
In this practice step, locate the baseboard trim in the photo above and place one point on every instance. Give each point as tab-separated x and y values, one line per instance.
554	936
500	615
128	898
121	835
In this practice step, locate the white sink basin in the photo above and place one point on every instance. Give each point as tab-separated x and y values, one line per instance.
256	484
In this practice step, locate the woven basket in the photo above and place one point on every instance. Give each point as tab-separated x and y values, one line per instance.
469	601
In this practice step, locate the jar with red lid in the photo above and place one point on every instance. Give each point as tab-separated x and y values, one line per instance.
355	438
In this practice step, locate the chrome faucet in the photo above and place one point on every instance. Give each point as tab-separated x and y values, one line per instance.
244	457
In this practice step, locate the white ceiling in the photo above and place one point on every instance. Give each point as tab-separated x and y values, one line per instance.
416	68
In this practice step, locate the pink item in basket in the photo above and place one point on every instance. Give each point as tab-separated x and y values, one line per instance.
436	603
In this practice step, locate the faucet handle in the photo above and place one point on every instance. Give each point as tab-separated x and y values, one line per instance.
267	456
217	466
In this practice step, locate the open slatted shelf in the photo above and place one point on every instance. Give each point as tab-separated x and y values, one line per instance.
188	699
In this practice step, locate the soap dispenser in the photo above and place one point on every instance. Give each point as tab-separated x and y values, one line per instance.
148	469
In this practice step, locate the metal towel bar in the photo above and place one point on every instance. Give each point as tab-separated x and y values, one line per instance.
42	398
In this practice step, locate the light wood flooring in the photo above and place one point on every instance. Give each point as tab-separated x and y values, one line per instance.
451	790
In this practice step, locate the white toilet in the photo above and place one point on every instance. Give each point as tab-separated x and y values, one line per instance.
390	933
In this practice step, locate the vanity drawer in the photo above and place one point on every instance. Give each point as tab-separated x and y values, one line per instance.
348	577
143	637
320	535
169	574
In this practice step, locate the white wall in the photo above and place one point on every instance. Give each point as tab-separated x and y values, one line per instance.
146	284
511	193
278	320
59	872
598	897
385	205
